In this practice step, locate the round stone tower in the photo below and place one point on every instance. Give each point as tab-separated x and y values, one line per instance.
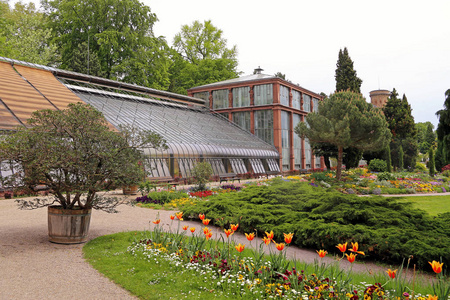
379	98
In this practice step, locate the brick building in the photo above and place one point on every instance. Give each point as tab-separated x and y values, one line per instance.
269	107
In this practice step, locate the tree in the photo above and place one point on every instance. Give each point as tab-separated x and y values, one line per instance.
345	75
118	35
398	114
201	57
443	134
345	120
75	154
426	137
431	165
25	34
280	75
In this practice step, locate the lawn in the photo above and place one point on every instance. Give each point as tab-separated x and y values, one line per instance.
432	204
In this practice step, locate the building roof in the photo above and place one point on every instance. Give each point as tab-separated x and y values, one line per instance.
191	129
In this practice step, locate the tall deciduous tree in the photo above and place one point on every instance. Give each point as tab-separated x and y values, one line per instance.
401	123
426	137
443	134
345	120
201	56
24	34
117	35
346	78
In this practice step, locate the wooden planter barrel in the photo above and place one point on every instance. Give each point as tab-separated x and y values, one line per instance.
68	226
130	190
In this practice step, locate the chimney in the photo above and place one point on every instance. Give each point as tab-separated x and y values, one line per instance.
258	70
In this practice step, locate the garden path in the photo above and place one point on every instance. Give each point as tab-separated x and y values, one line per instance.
33	268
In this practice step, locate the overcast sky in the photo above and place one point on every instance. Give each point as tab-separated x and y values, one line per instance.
401	44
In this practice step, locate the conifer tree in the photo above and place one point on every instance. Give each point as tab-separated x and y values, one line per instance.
388	159
346	78
431	162
398	114
443	133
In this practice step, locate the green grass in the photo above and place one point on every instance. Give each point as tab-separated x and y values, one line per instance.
433	205
158	279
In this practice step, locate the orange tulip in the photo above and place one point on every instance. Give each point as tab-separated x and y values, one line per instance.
432	297
206	230
157	221
201	216
279	246
266	240
269	235
437	267
179	216
192	229
288	237
206	221
208	235
351	257
391	273
228	232
355	248
250	236
234	227
185	227
322	253
172	217
240	247
342	247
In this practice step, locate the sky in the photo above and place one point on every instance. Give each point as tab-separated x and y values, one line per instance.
401	44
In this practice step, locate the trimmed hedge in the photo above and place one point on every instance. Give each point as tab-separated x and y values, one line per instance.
386	229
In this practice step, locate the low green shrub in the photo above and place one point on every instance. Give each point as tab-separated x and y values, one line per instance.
377	165
385	176
387	230
166	196
421	167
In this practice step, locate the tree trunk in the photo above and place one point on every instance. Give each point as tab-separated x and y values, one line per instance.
339	163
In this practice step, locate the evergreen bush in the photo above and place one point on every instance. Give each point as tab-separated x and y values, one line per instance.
377	165
386	229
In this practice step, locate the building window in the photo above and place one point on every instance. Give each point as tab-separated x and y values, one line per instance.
285	143
242	119
220	99
317	160
204	96
297	144
296	99
284	95
306	103
241	96
263	94
264	125
307	154
315	105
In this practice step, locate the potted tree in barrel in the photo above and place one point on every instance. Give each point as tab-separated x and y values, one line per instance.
75	154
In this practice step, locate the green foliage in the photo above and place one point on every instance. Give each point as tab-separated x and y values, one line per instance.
388	159
420	167
120	37
400	158
386	229
377	165
443	133
431	162
25	34
166	196
201	173
200	57
75	154
346	78
385	176
346	120
426	137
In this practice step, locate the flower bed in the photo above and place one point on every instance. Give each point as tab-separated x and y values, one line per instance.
229	270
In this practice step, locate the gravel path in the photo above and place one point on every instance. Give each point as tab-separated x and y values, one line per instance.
33	268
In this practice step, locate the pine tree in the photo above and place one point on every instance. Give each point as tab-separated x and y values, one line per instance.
400	158
346	78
